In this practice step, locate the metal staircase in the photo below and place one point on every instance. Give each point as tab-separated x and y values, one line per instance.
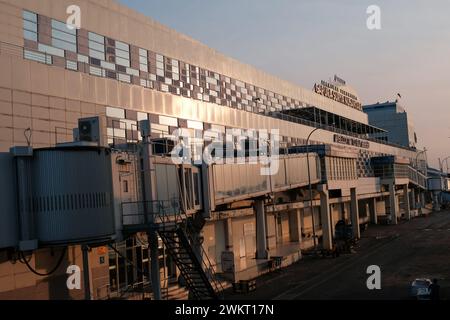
177	231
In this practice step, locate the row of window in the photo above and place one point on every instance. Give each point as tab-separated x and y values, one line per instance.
169	73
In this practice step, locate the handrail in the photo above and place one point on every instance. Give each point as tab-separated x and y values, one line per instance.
164	213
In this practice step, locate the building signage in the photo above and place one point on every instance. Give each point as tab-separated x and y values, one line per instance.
333	92
351	141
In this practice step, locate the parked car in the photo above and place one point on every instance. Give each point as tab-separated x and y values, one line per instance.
420	289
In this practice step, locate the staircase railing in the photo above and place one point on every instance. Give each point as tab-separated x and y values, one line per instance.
166	215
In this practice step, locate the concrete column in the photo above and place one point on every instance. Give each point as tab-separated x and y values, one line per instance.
354	213
436	203
407	205
295	225
87	287
327	238
228	234
261	231
413	203
373	211
393	203
422	199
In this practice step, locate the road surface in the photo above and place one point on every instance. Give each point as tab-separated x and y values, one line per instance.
414	249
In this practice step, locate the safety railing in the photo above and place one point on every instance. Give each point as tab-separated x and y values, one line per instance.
286	117
165	214
401	171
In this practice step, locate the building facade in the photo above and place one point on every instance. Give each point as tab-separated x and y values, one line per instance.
123	68
393	118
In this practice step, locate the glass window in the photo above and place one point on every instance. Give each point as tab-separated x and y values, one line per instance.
64	45
143	60
122	46
30	16
96	46
30	26
72	65
143	53
64	36
96	38
122	54
122	62
63	27
115	113
96	54
51	50
124	77
29	35
31	55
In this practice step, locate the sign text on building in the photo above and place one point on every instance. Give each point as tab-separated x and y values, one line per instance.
351	141
333	92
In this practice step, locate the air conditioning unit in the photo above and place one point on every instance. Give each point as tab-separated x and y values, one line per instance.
90	130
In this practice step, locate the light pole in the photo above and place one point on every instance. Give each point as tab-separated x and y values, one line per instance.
417	174
310	188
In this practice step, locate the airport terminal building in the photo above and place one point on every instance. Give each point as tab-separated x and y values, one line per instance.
108	198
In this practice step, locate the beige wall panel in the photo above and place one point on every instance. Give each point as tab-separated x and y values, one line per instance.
112	93
125	95
87	88
57	103
40	112
88	108
40	125
18	135
101	91
5	94
73	85
40	100
6	107
72	117
6	134
6	121
73	105
136	98
56	82
41	137
21	97
6	71
22	110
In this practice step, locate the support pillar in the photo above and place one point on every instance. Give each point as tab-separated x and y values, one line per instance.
373	211
261	231
228	235
148	176
295	226
413	203
393	203
422	199
87	286
407	204
354	213
327	238
436	202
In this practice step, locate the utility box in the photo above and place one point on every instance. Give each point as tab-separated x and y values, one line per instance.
8	200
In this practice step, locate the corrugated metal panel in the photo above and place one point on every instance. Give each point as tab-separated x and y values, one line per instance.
8	212
72	195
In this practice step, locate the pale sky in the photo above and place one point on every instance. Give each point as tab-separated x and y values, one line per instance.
304	41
